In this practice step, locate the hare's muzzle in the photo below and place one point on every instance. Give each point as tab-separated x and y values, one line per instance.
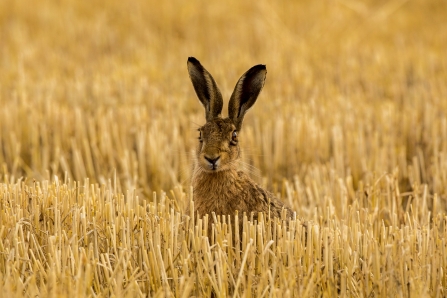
213	161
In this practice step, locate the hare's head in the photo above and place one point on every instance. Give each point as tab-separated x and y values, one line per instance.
218	148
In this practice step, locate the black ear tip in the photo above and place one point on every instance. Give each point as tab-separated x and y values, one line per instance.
255	70
259	67
193	60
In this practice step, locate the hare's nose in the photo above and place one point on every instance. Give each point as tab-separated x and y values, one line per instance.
212	161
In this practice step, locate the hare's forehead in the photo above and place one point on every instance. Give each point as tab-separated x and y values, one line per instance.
218	126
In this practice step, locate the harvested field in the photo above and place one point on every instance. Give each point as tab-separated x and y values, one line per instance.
98	125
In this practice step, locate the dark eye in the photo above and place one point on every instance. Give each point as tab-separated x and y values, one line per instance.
234	138
200	136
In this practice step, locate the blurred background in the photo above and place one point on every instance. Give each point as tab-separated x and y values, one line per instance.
354	90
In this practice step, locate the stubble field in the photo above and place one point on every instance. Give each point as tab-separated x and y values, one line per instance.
98	124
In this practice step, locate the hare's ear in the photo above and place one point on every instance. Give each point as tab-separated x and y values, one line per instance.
245	93
206	89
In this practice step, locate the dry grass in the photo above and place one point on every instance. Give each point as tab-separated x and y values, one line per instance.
98	116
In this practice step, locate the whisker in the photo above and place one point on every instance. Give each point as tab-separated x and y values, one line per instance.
196	124
251	169
246	164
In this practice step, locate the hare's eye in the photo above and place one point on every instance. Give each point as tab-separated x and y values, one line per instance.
234	138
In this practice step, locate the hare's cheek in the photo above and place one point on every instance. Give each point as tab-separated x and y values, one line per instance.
200	147
234	152
225	158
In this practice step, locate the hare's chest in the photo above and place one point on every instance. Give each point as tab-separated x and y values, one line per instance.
220	199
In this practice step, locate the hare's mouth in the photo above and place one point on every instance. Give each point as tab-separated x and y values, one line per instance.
211	168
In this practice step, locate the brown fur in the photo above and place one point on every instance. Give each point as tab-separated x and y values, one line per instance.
218	185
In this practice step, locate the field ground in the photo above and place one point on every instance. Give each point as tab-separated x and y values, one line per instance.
98	124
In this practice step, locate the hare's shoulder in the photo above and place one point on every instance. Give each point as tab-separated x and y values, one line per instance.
260	199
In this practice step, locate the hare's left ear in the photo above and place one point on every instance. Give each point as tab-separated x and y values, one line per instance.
206	89
245	93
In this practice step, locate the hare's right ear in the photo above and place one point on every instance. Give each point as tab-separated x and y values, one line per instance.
245	93
206	89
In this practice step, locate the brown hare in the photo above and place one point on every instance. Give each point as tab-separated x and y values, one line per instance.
217	183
